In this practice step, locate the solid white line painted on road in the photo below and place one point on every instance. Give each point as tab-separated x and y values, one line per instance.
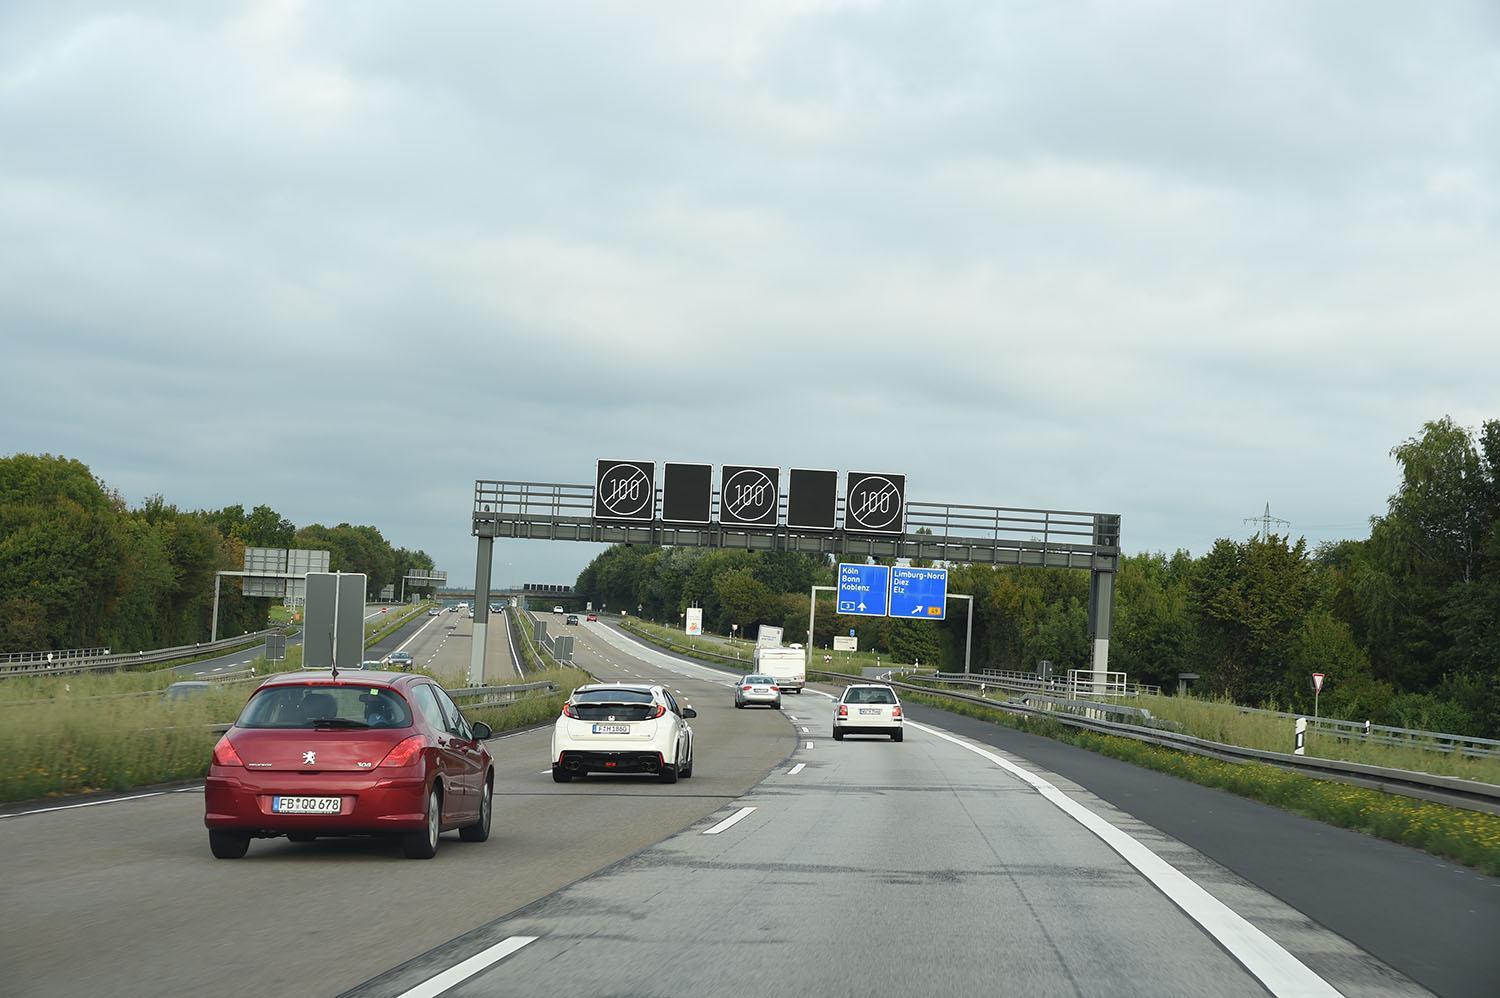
462	972
88	803
803	730
809	744
796	769
1281	973
792	717
727	822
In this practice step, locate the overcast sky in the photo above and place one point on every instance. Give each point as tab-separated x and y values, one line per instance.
1170	260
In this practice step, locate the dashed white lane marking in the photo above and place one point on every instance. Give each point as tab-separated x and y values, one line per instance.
434	986
1278	970
803	730
792	717
729	821
796	769
809	744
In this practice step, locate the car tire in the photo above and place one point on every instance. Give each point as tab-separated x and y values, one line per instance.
300	836
560	775
480	830
738	705
897	736
423	843
776	705
838	735
228	845
687	771
668	774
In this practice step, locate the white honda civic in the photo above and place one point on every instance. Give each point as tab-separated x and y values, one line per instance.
623	728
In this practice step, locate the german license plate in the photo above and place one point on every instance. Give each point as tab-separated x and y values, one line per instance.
762	689
869	710
306	805
611	729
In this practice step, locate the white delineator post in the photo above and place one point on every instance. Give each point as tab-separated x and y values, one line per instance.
1301	748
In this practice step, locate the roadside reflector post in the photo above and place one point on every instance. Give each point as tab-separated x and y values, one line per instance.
1301	748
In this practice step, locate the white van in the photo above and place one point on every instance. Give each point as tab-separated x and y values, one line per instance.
788	666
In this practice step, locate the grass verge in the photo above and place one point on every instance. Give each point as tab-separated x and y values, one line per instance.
1469	837
78	742
532	708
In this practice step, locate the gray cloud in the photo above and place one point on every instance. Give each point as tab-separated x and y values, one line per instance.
1175	260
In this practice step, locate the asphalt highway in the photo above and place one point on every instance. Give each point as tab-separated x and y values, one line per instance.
235	661
790	864
122	898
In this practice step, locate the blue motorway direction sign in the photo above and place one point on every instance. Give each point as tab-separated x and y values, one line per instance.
864	589
918	592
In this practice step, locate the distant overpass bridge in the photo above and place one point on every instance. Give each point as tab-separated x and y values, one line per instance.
552	594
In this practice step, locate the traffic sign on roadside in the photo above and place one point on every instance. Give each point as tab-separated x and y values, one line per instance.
864	589
920	593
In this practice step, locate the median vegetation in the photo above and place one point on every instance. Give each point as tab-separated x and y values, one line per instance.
1469	837
74	735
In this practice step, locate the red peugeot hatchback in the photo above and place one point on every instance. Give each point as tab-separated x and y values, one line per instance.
361	753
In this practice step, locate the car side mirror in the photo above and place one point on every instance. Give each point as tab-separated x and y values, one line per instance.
689	712
481	731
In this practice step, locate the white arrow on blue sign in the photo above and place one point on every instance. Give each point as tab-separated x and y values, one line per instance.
919	592
864	589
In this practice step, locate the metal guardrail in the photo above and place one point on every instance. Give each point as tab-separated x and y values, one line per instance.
1030	682
1468	794
49	657
493	696
109	663
1385	734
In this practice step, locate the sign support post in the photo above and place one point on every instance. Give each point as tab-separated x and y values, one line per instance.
812	613
968	628
481	609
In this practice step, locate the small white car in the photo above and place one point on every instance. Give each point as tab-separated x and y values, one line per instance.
557	609
623	728
867	709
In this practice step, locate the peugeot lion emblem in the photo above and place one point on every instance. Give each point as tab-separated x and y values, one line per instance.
308	758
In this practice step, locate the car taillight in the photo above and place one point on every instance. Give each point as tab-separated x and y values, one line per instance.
406	751
776	689
896	711
568	710
225	755
843	711
658	712
745	688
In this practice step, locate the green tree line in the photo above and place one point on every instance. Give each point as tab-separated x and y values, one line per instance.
80	568
1405	623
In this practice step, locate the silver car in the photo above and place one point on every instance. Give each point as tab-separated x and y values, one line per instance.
757	688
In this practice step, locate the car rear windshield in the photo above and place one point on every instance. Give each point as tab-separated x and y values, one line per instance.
622	705
326	706
869	695
759	680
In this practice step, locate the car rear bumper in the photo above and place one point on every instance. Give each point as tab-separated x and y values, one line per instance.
243	801
863	728
574	761
770	698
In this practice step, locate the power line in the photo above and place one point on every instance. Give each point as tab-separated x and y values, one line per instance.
1265	520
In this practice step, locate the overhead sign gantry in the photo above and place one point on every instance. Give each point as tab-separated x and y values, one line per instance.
758	508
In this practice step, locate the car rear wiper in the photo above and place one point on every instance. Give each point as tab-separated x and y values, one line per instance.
337	722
